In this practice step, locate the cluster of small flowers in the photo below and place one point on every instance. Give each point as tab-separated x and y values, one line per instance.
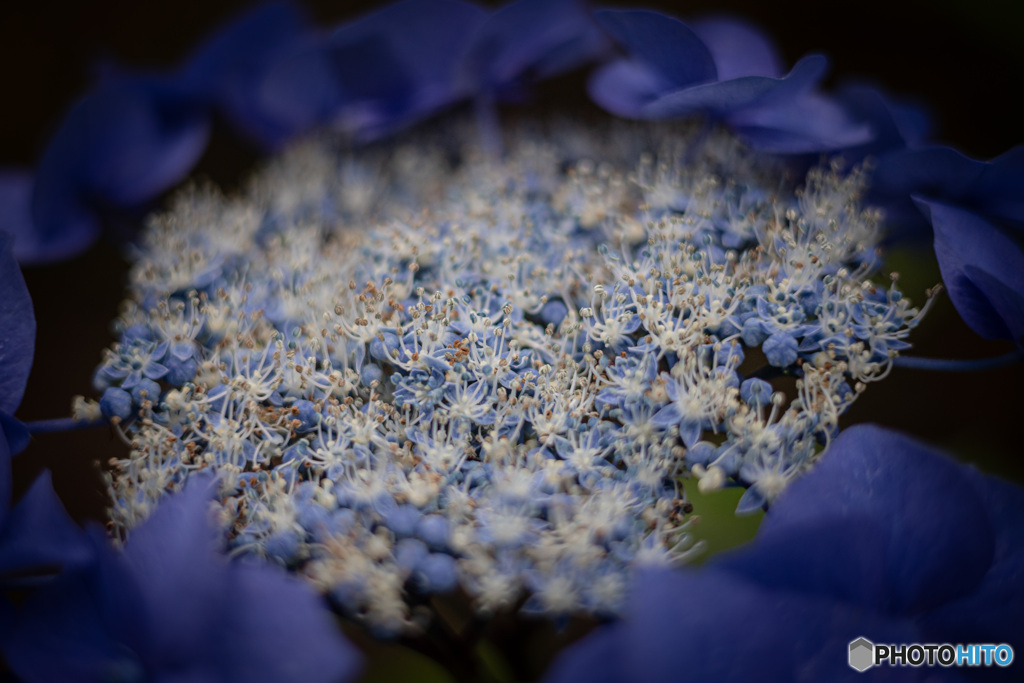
417	368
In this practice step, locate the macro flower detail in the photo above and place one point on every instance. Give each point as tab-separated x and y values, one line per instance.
399	400
472	386
865	544
168	608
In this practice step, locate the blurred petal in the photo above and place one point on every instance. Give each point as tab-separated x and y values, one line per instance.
77	629
144	136
994	612
693	622
624	88
30	245
16	433
231	67
757	97
738	47
805	124
665	46
934	551
998	189
17	329
271	613
398	64
38	533
715	98
16	212
182	579
531	38
597	658
5	477
931	172
300	91
982	268
838	558
120	146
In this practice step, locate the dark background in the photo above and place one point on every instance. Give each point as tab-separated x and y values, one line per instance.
964	59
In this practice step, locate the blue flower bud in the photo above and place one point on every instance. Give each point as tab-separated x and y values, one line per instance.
434	530
436	573
116	403
756	391
554	312
402	520
780	349
146	390
305	412
409	552
180	371
370	373
753	332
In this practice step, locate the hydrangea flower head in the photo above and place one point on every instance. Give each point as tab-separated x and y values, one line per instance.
477	364
420	367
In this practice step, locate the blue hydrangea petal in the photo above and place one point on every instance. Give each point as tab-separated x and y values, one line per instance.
929	172
994	611
300	90
530	39
15	435
997	190
17	329
935	552
624	88
126	142
839	558
738	47
38	533
595	659
716	98
308	646
399	64
751	501
230	68
690	431
16	219
780	349
667	416
1006	300
5	476
75	629
804	124
897	124
174	553
982	268
666	46
692	621
122	145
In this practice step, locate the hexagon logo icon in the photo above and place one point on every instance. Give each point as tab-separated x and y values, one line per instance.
862	654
